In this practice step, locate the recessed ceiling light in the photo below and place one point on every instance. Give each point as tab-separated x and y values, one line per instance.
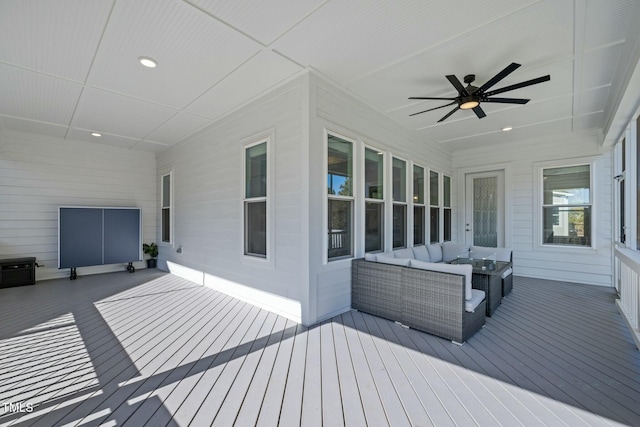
148	62
96	134
506	129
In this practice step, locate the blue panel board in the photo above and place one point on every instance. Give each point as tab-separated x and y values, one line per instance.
121	235
80	237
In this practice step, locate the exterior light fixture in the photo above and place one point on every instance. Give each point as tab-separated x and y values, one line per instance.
148	62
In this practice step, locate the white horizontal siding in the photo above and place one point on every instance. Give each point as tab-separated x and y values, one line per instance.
38	174
593	266
208	200
335	110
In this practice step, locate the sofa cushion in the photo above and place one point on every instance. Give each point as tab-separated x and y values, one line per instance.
477	296
507	273
465	270
421	253
370	257
403	253
435	252
450	250
389	259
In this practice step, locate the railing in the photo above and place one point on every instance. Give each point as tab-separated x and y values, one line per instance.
337	239
627	277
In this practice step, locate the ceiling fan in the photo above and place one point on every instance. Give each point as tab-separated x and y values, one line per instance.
470	97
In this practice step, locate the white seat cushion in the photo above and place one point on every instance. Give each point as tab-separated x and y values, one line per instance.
477	296
389	259
421	253
450	251
465	270
507	273
435	252
370	257
403	253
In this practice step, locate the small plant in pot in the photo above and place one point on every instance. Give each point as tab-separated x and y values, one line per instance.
151	249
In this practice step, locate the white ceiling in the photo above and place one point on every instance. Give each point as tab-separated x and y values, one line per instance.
70	67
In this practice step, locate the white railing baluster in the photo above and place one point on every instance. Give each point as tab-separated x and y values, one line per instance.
627	271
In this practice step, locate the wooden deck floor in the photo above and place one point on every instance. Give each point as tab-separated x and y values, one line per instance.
152	349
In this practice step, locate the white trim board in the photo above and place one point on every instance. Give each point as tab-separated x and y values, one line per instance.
279	305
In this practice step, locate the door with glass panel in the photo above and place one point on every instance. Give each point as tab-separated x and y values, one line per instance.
484	209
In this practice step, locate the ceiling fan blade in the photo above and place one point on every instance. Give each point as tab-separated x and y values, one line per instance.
519	85
507	100
456	83
501	75
428	97
431	109
479	112
448	114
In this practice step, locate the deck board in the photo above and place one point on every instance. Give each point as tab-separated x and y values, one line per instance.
152	349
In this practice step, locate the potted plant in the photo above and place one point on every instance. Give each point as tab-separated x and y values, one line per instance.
152	250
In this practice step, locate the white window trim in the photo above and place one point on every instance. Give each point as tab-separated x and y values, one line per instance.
365	199
172	183
538	198
438	206
325	200
267	137
414	204
408	219
443	207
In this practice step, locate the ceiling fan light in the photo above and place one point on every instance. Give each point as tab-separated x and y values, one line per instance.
469	104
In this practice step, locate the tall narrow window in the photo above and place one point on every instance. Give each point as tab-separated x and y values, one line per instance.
636	143
434	228
446	195
566	209
166	203
621	183
399	203
255	200
340	197
374	201
418	205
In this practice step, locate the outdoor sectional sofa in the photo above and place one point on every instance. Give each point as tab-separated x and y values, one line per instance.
431	297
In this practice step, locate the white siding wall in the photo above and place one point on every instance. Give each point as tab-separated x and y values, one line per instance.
592	266
208	204
334	110
38	174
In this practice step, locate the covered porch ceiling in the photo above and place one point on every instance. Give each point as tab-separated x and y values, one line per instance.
70	67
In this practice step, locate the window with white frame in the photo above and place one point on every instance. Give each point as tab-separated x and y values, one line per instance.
340	197
419	208
567	205
255	200
446	208
373	200
434	209
399	203
166	208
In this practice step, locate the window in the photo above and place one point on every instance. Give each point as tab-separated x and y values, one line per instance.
255	200
374	202
434	229
399	203
566	210
340	197
166	201
446	183
418	205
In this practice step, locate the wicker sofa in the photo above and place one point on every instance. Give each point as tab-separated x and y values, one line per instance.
441	303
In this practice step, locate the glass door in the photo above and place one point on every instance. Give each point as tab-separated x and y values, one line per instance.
484	209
